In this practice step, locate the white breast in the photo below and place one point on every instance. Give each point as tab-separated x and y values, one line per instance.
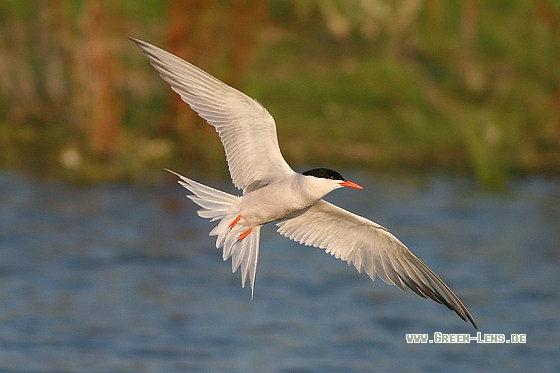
275	201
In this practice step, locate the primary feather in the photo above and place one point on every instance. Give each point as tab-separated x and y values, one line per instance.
238	119
369	247
272	191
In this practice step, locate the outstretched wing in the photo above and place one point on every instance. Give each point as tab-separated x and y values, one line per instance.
369	247
247	130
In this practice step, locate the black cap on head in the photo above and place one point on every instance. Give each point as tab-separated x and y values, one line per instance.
324	173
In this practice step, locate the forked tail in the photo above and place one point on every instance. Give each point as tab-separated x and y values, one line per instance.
218	205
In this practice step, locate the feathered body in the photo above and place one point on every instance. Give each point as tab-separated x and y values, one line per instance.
273	192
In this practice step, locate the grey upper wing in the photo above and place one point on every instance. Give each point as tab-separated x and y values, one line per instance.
247	130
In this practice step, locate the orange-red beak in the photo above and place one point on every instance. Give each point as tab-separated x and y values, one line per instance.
350	184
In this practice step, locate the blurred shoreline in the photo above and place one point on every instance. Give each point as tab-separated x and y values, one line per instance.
470	88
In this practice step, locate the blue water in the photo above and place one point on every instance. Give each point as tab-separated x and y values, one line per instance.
123	278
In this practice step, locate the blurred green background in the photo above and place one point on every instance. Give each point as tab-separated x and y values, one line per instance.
438	86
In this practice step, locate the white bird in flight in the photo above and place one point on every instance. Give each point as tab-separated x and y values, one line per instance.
273	192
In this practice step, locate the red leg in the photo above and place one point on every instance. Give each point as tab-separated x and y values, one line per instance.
243	235
233	223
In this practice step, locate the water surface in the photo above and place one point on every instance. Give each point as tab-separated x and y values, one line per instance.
123	278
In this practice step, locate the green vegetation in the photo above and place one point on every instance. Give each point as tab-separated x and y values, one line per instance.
471	87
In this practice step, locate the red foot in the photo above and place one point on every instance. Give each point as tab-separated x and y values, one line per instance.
243	235
233	223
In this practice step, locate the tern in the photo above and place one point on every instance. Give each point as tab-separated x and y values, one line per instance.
274	192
